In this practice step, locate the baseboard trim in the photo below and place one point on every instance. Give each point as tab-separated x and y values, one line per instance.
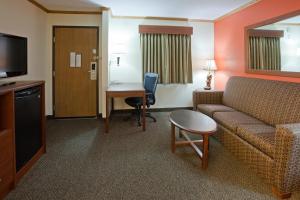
155	109
48	117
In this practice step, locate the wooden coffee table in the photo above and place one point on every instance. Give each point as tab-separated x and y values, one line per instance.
195	123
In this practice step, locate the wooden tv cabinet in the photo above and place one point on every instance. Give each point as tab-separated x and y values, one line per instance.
9	177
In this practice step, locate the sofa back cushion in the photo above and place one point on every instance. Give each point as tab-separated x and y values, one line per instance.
274	102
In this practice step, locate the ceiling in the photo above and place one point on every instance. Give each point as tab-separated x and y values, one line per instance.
192	9
69	5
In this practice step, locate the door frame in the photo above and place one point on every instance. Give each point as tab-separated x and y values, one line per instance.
53	69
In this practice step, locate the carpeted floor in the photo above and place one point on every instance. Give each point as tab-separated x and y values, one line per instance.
84	163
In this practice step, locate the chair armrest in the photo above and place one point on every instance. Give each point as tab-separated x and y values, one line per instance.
207	97
287	157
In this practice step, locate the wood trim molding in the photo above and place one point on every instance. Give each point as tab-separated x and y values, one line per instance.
102	8
39	5
177	30
150	17
66	11
162	18
201	20
265	33
75	12
238	9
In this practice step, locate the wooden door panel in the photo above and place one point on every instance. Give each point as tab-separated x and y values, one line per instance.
75	92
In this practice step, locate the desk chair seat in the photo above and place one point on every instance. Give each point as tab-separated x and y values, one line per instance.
150	84
134	101
138	101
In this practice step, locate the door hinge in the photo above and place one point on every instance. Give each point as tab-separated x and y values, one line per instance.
53	73
53	107
53	39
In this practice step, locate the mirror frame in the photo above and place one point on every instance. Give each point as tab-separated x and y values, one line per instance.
263	23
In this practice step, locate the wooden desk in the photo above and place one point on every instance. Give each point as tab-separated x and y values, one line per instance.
125	90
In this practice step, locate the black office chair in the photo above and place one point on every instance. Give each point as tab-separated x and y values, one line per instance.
150	83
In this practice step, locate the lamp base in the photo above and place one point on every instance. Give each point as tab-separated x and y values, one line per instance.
208	81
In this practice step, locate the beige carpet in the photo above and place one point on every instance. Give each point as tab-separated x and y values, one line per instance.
84	163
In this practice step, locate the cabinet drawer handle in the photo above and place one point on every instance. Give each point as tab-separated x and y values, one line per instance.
0	180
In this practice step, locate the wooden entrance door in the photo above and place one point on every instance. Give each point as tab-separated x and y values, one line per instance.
75	87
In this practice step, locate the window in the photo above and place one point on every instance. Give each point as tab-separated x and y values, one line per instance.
166	50
264	49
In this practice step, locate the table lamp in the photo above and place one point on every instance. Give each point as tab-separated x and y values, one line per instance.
210	66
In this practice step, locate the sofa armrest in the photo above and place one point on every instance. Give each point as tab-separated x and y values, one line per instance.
287	158
206	97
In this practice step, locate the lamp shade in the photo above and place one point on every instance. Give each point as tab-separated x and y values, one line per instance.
210	65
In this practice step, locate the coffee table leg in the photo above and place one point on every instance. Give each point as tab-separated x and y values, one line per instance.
208	143
205	151
173	147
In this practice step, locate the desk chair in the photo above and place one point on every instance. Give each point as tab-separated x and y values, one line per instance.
150	83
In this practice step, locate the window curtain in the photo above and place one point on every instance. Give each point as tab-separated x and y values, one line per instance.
169	55
264	53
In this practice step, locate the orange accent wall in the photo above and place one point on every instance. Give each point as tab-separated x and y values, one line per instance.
229	38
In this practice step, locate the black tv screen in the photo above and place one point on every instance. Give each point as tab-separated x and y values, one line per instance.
13	55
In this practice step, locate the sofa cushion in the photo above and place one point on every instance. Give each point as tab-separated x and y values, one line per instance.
210	109
274	102
231	120
261	136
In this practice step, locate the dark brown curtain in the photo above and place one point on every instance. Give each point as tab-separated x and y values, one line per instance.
264	53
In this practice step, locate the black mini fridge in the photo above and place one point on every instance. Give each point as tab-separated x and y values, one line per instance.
28	135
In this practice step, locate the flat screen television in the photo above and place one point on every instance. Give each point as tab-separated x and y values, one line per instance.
13	55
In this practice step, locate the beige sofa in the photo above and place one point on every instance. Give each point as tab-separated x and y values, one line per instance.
259	122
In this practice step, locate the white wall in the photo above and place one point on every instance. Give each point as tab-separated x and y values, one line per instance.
106	21
24	19
68	20
124	32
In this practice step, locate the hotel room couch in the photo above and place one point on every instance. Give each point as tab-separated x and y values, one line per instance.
259	122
